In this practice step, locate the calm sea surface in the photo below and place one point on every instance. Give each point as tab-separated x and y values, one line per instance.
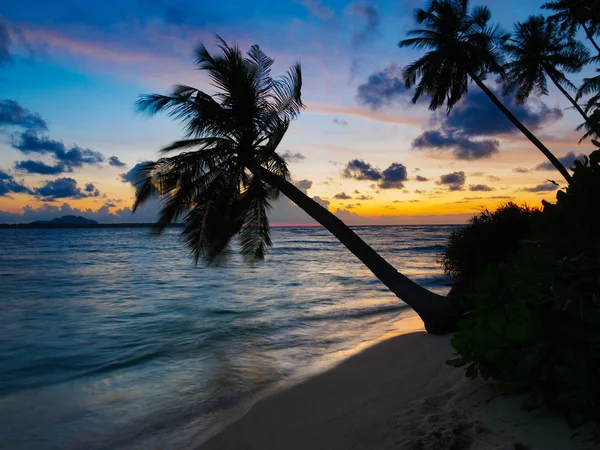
113	339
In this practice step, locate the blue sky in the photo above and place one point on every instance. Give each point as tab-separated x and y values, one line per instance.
80	66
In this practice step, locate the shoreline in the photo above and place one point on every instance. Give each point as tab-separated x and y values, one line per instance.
397	393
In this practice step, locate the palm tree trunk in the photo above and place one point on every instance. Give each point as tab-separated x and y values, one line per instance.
547	153
590	37
574	103
435	310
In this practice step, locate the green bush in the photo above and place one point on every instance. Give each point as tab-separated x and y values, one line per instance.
536	320
490	237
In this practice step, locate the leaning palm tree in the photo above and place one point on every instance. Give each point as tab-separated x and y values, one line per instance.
591	86
540	50
572	14
462	45
222	177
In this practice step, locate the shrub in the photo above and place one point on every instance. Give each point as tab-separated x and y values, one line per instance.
536	319
490	237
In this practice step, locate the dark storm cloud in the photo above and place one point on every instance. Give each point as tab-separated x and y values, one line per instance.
361	170
292	157
116	162
480	188
546	187
382	88
64	188
8	185
455	180
39	167
130	177
462	147
13	114
568	161
342	196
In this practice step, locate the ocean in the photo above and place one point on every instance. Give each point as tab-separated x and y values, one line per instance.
114	339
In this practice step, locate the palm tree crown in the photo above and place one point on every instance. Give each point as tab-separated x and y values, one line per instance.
572	14
538	48
216	189
460	43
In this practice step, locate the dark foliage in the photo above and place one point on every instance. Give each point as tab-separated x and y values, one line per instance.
490	237
535	326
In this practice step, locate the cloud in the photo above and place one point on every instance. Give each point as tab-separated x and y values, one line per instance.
364	197
455	180
421	178
39	167
481	187
8	185
462	147
568	161
520	170
382	88
371	18
130	177
5	57
303	185
476	115
116	162
546	187
71	157
318	10
393	177
342	196
361	170
340	122
64	188
13	114
292	157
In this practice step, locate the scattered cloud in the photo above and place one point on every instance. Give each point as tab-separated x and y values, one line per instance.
303	185
8	185
340	122
462	147
64	188
390	178
494	178
393	177
292	157
369	15
455	180
5	58
568	161
318	10
13	114
382	88
116	162
546	187
421	178
130	177
342	196
481	188
520	170
364	197
41	168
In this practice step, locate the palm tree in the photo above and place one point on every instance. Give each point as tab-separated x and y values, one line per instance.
591	86
462	45
539	49
226	170
572	14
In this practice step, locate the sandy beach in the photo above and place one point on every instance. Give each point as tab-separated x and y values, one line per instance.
397	394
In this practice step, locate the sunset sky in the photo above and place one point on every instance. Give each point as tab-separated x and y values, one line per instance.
70	72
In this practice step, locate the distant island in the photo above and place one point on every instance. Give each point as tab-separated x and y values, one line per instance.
76	222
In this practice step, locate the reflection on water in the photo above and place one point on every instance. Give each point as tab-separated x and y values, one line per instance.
110	338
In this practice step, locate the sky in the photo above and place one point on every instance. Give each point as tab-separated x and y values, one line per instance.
71	71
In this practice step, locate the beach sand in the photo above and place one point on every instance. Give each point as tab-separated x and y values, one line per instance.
396	394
